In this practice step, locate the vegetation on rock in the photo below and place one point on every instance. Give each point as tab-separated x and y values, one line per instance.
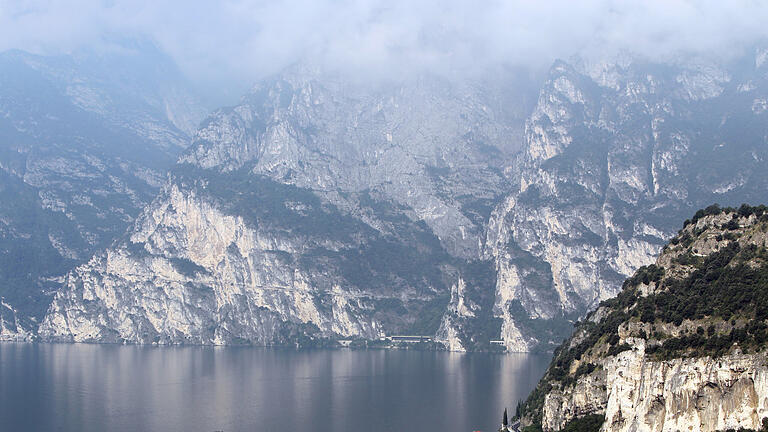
707	295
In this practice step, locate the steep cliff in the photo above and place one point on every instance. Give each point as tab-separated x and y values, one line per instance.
476	214
85	140
313	210
682	347
615	152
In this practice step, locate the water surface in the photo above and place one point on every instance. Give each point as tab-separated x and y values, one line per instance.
74	387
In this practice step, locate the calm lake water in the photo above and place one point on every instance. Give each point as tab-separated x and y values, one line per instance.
61	387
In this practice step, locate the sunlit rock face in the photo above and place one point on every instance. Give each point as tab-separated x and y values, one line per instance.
85	141
315	209
700	394
617	154
191	273
13	327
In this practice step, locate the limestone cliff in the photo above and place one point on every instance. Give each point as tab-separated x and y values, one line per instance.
615	153
682	347
472	211
313	210
85	140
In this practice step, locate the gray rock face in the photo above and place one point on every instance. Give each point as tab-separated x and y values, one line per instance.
699	394
83	148
431	146
312	210
191	273
616	156
460	211
660	370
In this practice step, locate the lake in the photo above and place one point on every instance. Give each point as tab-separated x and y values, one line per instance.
78	387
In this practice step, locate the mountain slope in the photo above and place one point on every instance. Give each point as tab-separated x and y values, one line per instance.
83	147
615	152
315	209
682	347
539	209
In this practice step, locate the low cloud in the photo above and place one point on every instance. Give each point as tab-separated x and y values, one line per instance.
231	41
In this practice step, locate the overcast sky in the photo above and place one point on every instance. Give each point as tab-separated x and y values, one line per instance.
240	41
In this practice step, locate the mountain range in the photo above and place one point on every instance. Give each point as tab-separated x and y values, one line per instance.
85	142
319	208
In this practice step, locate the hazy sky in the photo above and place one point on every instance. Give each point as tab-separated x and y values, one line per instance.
238	41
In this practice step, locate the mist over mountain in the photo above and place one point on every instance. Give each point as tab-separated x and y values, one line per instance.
85	141
581	180
320	208
470	174
225	47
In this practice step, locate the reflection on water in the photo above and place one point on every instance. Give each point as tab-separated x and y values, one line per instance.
52	387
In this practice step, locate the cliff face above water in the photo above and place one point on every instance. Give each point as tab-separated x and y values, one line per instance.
615	154
310	211
682	347
470	212
85	140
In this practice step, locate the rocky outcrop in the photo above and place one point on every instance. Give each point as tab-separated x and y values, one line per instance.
646	363
699	394
193	274
12	327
